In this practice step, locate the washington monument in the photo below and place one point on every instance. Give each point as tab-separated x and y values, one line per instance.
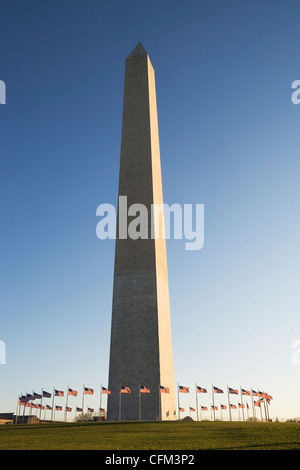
141	345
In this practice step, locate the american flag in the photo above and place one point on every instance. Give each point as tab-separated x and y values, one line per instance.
192	409
164	389
72	392
124	389
233	391
214	407
46	394
91	410
68	408
144	389
204	408
24	398
233	407
106	391
59	393
88	391
241	405
201	390
22	402
246	392
78	409
223	407
218	390
183	389
181	410
58	408
36	395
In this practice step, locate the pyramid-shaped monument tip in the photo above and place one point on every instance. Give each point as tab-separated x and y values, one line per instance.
138	51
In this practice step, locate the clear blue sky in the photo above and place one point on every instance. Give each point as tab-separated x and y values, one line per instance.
229	137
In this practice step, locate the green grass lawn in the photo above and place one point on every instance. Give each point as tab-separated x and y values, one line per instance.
151	436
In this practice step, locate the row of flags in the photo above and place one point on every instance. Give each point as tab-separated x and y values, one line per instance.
23	399
224	407
28	400
263	399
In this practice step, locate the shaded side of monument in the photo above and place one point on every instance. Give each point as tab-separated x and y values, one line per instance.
141	345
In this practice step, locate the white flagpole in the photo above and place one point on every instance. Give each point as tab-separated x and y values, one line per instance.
265	406
82	401
253	410
66	403
41	404
100	400
24	408
229	407
213	400
261	417
30	410
52	404
242	403
18	408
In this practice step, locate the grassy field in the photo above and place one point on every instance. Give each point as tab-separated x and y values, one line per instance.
151	436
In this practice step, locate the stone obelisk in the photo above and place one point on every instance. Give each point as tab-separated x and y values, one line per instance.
141	346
